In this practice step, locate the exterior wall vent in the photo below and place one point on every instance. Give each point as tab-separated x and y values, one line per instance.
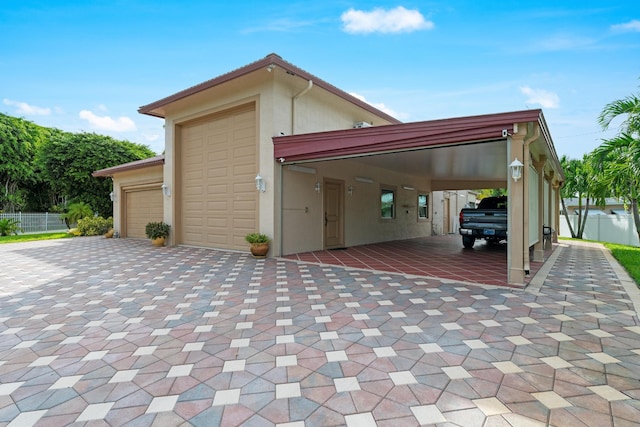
358	125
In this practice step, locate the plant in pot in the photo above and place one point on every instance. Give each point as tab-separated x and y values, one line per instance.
259	244
157	232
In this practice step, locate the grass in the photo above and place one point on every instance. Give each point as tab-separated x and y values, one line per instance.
628	257
31	237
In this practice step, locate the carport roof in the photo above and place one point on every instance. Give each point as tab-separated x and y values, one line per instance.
404	137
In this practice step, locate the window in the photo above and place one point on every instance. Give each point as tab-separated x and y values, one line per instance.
423	206
387	203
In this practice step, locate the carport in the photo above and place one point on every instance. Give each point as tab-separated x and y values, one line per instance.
450	154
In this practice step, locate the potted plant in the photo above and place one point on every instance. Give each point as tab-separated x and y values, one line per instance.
259	244
157	232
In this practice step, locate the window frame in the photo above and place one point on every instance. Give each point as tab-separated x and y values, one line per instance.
388	189
426	206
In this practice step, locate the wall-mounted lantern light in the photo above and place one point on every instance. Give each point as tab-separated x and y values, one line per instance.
261	185
516	169
113	196
350	190
318	187
166	190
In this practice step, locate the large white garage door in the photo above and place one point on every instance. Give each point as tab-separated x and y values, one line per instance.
218	161
142	206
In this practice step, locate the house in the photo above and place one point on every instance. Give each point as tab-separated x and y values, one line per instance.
269	147
446	208
612	206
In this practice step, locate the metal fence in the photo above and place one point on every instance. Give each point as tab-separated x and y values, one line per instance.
36	222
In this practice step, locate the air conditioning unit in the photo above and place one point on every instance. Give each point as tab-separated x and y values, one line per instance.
358	125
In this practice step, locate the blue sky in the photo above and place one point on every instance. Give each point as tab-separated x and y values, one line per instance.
88	65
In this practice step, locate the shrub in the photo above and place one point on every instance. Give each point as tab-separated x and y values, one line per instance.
94	226
9	226
153	230
257	238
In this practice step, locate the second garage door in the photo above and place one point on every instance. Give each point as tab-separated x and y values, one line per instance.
142	206
218	164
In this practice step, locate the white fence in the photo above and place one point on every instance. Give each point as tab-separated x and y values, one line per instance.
36	222
604	228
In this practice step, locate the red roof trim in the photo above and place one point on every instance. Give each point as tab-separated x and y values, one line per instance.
138	164
399	137
150	109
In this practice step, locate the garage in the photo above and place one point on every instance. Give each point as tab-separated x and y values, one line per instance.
143	205
217	163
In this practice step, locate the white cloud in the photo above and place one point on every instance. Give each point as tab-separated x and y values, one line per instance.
398	20
632	26
151	137
540	96
26	109
380	106
122	124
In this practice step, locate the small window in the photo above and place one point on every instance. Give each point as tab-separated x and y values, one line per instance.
387	203
423	206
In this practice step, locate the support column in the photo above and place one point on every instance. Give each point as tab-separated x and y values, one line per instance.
515	190
538	248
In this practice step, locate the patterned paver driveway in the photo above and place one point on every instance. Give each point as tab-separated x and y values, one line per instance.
114	332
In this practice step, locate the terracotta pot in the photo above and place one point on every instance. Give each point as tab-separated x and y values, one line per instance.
259	250
158	241
109	234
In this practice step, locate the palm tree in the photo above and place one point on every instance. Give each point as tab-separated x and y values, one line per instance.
618	158
76	211
578	184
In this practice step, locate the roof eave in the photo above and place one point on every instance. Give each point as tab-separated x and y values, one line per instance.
155	108
126	167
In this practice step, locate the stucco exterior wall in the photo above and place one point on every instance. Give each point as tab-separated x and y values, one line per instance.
303	211
283	105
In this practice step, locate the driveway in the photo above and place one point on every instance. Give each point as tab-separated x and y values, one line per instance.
114	332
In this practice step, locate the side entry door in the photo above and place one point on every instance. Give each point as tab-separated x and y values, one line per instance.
333	214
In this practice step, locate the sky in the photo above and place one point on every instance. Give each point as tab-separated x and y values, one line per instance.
87	66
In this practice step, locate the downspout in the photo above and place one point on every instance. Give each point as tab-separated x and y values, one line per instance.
525	191
281	231
293	105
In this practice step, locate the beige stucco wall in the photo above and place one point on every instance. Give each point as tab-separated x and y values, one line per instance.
303	207
149	176
277	108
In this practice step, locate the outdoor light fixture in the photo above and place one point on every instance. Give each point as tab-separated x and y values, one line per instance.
364	179
318	187
261	185
113	196
516	169
303	169
166	190
350	190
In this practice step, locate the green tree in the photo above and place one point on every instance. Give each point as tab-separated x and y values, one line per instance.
19	142
68	160
618	158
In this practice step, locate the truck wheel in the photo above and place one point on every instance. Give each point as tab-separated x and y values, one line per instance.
468	241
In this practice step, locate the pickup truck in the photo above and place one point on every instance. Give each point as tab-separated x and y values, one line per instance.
488	221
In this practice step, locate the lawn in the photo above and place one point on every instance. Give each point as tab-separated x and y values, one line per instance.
30	237
628	257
